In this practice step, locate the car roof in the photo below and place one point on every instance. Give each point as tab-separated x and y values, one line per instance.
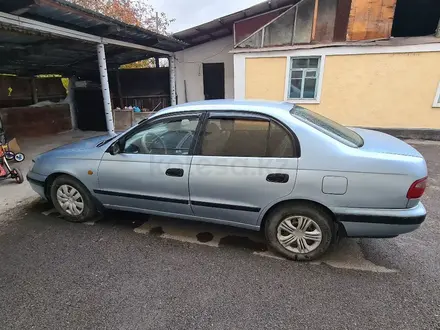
265	107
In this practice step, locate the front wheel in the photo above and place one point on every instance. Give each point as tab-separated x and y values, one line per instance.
72	199
299	232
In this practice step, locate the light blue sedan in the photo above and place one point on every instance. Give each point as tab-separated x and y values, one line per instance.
277	167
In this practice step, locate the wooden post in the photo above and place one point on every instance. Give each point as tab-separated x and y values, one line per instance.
121	101
34	90
437	33
315	19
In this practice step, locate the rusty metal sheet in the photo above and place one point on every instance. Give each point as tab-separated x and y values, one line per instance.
371	19
325	24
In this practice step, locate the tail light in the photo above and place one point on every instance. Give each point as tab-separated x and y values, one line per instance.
417	188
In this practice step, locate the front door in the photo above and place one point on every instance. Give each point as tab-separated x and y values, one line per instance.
151	172
245	163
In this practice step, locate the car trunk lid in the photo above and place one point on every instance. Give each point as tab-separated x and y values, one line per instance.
375	141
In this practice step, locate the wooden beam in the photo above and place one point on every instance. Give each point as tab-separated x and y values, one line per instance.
315	19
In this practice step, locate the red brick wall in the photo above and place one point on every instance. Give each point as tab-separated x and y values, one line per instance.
32	122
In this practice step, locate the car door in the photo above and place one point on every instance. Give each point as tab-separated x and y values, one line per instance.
151	171
243	163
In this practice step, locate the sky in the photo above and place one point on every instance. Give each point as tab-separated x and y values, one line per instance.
189	13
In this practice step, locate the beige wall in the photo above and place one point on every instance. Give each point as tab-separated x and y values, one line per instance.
265	78
372	90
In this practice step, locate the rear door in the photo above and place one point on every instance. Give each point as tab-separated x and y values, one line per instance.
243	163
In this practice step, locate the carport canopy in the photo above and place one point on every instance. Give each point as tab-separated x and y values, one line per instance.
57	37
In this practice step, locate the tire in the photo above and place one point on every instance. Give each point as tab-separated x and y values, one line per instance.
18	176
63	188
318	233
9	155
19	157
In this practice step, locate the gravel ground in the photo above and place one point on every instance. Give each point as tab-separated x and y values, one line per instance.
59	275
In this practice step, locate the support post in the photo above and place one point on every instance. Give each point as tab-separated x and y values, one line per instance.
71	101
156	62
118	80
34	90
172	80
437	32
105	89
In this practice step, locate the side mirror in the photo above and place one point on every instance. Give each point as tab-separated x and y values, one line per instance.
115	148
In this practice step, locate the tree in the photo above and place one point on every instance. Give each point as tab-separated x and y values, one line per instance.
134	12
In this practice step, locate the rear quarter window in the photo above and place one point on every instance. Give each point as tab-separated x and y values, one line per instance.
329	127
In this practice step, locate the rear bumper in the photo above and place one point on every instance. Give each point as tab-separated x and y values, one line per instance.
380	223
37	182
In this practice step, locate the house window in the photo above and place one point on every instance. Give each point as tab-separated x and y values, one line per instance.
437	98
304	78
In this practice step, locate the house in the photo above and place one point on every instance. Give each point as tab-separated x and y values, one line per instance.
363	63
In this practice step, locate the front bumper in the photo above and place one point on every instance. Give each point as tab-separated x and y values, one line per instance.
380	223
37	182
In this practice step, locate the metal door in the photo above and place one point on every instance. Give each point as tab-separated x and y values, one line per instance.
151	173
233	179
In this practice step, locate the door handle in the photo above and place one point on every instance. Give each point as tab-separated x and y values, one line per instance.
174	172
277	177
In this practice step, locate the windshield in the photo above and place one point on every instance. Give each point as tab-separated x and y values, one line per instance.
327	126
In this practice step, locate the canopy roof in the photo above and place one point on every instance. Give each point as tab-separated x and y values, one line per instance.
55	36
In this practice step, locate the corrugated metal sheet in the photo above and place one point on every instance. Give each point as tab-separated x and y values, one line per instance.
24	52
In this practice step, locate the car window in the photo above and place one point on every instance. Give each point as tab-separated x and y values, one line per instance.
245	138
327	126
280	142
168	137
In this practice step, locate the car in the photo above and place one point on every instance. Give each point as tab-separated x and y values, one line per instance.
271	166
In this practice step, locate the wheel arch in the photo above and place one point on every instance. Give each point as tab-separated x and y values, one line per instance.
306	202
51	178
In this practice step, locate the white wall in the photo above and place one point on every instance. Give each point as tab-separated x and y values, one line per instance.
189	67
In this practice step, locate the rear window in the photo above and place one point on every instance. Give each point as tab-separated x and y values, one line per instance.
327	126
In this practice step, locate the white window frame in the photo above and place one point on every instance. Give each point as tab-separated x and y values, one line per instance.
319	81
436	103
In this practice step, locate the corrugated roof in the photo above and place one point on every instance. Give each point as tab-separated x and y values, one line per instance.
223	26
23	51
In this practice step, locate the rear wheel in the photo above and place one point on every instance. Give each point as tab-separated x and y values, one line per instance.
19	157
299	232
72	199
18	176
